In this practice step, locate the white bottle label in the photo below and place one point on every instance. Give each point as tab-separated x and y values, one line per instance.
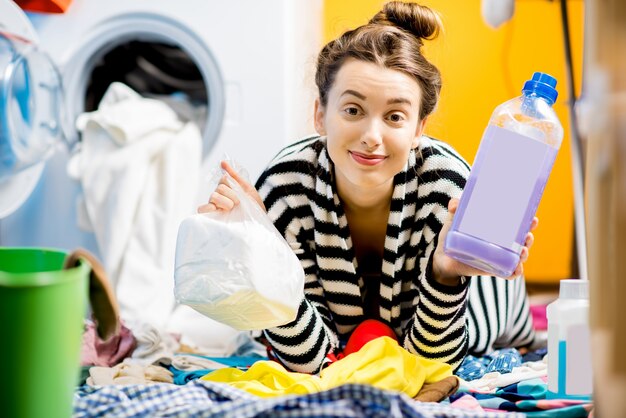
553	357
509	165
578	378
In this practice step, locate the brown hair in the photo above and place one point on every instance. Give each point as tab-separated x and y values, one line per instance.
393	38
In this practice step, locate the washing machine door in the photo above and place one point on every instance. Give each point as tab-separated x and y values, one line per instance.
31	108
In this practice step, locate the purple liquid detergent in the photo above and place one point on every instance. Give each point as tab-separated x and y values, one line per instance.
507	180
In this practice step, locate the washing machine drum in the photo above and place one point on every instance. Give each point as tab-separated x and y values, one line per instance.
31	115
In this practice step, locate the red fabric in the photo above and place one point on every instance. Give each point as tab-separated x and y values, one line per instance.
46	6
365	332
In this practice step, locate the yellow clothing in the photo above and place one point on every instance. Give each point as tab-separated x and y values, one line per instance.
381	363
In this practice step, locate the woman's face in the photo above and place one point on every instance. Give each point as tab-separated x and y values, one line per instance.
371	122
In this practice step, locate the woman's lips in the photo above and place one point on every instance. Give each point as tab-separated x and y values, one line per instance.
367	159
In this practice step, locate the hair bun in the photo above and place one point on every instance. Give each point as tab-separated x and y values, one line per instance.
420	20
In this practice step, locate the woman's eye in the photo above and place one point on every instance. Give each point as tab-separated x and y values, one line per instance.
352	111
396	117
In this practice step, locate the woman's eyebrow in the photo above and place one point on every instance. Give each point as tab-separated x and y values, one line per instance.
354	93
399	100
395	100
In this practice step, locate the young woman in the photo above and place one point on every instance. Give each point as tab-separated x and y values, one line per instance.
367	203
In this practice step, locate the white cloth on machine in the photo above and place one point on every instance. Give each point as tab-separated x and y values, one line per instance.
139	167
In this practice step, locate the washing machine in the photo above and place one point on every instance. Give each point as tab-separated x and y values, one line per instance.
250	62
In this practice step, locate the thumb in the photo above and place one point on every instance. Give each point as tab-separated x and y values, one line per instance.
453	205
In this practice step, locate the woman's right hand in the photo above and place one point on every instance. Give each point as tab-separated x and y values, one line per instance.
224	197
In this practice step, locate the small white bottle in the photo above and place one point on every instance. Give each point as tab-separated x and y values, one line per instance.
569	344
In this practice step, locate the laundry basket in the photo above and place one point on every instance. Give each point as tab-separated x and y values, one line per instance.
41	320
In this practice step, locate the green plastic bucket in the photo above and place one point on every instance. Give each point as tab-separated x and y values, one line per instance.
42	308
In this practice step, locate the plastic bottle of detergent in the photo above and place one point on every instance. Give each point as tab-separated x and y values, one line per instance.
569	346
506	182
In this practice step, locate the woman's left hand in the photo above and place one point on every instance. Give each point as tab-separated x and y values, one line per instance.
447	270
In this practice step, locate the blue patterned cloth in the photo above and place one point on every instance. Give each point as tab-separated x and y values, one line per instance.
501	361
529	397
200	399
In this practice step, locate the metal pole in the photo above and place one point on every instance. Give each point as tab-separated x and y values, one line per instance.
578	171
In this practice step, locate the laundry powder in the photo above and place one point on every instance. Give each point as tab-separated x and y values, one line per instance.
240	272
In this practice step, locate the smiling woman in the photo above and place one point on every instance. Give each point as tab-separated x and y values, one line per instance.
366	206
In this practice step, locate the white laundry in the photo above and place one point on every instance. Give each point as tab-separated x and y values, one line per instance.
152	344
206	335
189	363
139	169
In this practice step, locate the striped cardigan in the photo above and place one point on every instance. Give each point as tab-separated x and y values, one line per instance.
429	318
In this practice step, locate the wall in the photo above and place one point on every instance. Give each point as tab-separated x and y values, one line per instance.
483	67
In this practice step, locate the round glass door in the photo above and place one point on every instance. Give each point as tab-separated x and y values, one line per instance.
31	106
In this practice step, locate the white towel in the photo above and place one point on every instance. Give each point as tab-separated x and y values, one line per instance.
139	168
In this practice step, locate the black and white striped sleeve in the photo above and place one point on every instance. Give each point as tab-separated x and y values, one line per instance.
303	344
499	315
438	327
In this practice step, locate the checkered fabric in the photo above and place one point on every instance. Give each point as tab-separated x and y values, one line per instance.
200	399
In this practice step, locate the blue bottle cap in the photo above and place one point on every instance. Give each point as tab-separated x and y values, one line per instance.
542	85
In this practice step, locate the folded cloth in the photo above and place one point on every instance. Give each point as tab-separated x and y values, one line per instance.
152	344
128	374
190	363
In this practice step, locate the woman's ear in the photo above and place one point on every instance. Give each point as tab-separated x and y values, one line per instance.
418	133
319	118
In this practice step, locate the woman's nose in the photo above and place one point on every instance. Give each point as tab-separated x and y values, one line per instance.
372	136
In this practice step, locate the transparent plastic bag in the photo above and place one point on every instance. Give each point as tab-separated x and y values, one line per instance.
236	268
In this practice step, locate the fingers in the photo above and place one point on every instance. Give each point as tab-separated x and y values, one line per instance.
530	240
224	192
239	179
208	207
524	255
223	198
519	270
534	223
216	202
247	187
221	201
